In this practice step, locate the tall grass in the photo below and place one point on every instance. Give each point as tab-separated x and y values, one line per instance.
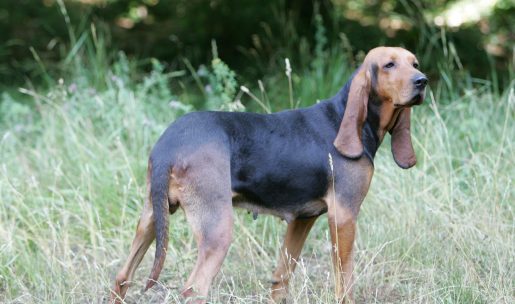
72	184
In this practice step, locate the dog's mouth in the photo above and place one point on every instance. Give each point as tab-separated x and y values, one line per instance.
416	100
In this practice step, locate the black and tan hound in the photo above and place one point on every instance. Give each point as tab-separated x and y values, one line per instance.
208	162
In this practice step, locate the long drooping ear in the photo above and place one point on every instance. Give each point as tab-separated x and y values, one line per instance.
402	149
348	140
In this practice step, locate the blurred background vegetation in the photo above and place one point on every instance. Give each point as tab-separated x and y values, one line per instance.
40	37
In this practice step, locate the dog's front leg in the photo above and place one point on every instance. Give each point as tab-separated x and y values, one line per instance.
342	225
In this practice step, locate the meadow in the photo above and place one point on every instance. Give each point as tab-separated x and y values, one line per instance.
72	182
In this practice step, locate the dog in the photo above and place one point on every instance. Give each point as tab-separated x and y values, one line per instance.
295	164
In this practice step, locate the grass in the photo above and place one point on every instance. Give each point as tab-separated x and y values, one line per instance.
74	160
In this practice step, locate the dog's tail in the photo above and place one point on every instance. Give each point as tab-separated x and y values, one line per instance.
159	183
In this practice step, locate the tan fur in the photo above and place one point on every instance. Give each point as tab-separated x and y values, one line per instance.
342	226
395	90
342	212
296	234
309	209
208	208
393	87
145	235
343	209
348	140
211	221
402	148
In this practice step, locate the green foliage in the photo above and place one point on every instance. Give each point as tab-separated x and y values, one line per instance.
222	87
254	41
320	41
13	112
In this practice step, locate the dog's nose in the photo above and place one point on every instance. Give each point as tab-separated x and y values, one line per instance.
420	81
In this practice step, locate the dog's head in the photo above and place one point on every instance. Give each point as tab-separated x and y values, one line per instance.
391	75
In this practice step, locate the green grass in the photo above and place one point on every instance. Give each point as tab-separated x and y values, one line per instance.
72	184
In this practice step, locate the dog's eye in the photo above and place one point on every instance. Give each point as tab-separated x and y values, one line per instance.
415	65
389	65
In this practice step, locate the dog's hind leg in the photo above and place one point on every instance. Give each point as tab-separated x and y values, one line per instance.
294	239
208	207
145	235
213	233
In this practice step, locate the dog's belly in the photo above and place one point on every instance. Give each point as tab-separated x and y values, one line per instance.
287	213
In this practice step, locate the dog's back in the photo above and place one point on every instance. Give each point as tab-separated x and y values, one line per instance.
278	163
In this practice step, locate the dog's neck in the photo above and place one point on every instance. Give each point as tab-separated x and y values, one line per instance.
381	114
